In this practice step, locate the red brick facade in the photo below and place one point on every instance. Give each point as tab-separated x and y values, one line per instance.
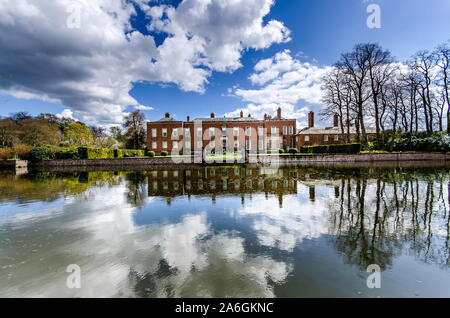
312	136
233	134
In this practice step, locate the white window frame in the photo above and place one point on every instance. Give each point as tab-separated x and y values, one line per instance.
235	131
291	130
248	131
187	132
306	138
175	132
284	130
199	144
260	130
325	137
224	131
175	144
187	144
336	137
199	132
154	145
211	131
261	144
154	132
273	130
164	145
164	132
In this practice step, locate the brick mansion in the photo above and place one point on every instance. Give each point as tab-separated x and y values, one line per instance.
216	134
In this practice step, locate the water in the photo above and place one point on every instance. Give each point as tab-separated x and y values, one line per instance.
309	231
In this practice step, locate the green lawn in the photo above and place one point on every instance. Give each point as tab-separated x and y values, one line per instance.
224	157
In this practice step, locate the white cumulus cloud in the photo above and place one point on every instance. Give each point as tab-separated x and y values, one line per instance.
282	81
91	68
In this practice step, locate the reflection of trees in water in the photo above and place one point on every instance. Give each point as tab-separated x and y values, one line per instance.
374	219
136	188
51	186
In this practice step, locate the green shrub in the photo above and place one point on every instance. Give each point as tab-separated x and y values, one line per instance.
40	153
150	153
5	153
280	151
95	153
293	150
164	153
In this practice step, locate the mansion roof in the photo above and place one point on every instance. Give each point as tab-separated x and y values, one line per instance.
331	130
223	120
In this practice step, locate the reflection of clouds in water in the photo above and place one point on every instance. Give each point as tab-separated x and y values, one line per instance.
12	214
296	220
115	255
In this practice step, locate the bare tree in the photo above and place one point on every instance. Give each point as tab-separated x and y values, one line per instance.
135	135
411	85
380	70
356	66
442	54
337	97
422	64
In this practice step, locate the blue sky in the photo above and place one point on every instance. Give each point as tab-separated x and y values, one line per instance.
317	33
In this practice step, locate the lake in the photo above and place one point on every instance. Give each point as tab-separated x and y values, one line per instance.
227	231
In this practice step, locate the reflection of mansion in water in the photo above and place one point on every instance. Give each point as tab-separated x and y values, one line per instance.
220	181
212	181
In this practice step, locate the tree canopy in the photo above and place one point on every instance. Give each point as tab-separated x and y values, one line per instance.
78	134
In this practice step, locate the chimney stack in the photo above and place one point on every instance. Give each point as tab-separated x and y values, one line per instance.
279	112
311	119
212	115
167	115
336	120
188	118
249	115
242	113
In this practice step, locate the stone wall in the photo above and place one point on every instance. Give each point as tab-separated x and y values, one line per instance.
117	162
13	163
354	158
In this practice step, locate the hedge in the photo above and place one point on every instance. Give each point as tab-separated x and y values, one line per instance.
51	152
339	148
95	153
42	153
67	153
435	143
293	150
314	149
150	153
120	153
